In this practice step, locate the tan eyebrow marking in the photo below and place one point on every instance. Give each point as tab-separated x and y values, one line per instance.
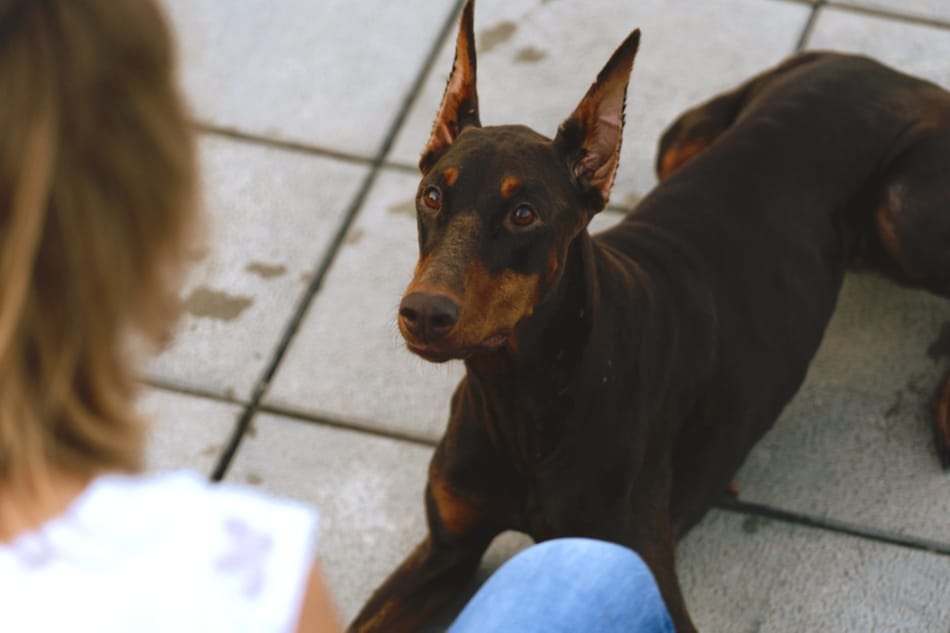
510	186
450	175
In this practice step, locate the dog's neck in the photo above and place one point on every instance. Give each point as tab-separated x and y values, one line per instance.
549	343
564	360
529	390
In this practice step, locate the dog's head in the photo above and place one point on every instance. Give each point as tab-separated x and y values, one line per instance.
499	206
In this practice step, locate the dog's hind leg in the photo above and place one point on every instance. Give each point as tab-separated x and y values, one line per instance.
910	238
699	127
695	130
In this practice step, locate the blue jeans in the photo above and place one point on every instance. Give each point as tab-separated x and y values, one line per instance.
568	585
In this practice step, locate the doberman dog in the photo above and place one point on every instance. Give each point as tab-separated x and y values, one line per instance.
614	384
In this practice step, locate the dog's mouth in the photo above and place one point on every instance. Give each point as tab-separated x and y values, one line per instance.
436	353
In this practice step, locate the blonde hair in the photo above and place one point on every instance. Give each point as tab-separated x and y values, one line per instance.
97	195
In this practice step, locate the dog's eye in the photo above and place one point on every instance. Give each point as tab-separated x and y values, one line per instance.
432	197
523	215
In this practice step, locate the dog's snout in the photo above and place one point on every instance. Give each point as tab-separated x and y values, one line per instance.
429	317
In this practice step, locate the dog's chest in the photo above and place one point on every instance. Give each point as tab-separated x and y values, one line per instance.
539	529
568	506
537	518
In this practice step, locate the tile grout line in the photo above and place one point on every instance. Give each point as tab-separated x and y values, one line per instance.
189	390
306	299
350	157
736	506
347	425
295	415
834	525
809	26
809	3
299	147
919	20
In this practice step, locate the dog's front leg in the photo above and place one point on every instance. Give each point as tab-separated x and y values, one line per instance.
657	551
434	573
653	537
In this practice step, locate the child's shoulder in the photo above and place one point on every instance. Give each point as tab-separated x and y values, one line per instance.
186	499
188	546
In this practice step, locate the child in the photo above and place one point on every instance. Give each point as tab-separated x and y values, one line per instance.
97	205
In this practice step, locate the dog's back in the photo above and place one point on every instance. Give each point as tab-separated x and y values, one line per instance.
770	193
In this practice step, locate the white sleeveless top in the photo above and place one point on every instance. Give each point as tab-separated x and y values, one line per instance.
161	553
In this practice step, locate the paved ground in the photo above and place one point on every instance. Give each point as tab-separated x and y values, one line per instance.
312	116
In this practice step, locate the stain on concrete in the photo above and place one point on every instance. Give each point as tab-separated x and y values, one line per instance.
305	278
354	236
266	271
251	430
230	394
253	478
529	55
403	208
920	384
211	450
215	304
913	396
940	347
895	407
496	35
752	524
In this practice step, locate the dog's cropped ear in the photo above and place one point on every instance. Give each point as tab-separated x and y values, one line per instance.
460	102
590	138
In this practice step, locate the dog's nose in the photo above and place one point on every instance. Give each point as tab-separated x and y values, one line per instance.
427	316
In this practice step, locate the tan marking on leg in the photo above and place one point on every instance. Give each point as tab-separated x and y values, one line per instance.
457	516
889	239
510	186
379	617
450	175
678	155
941	411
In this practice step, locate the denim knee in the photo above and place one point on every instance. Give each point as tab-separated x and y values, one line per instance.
570	584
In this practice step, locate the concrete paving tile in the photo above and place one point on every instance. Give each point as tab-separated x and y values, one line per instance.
186	432
369	491
926	9
856	442
911	48
271	216
332	73
743	573
348	361
738	572
537	59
